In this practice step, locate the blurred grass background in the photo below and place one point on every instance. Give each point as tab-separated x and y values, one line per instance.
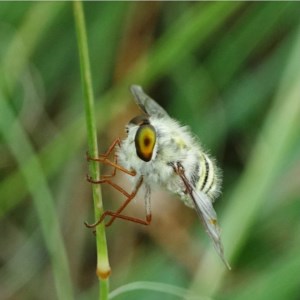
231	71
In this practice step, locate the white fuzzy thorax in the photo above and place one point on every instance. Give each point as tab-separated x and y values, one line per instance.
174	143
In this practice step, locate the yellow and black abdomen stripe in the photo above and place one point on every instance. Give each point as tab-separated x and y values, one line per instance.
207	174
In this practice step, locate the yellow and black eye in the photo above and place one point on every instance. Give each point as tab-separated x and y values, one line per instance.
145	139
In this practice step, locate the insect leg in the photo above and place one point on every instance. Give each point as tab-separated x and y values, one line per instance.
117	214
123	217
148	203
133	219
128	200
114	185
117	167
105	180
113	174
103	158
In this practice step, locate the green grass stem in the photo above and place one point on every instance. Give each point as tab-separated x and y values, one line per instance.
103	267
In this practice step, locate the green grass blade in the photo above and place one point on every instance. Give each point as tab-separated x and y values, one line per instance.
254	188
34	177
279	281
155	287
190	31
27	38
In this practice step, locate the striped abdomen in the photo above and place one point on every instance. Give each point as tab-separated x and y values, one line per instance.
208	180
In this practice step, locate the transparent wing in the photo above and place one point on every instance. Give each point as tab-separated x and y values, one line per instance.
147	104
205	210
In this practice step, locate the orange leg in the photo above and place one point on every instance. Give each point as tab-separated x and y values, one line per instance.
117	214
106	179
117	187
113	174
124	217
104	159
116	142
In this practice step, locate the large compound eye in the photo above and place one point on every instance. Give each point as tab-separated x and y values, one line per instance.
145	139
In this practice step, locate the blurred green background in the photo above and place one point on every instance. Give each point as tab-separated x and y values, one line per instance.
231	71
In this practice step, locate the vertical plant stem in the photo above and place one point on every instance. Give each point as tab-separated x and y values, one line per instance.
103	267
